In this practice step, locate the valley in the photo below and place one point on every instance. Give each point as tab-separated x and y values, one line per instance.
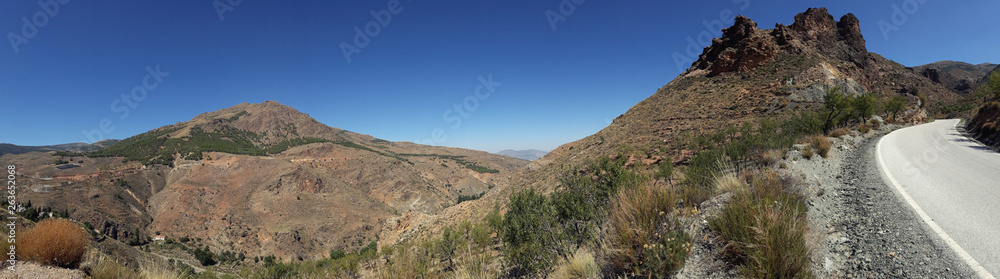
764	158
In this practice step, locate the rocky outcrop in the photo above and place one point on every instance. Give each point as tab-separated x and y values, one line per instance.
932	74
743	47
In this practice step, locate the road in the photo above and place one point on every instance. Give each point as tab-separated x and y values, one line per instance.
953	184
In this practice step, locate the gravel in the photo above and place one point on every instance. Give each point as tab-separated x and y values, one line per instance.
36	271
861	228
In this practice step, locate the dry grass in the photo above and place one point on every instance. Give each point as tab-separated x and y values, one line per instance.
765	228
772	156
102	267
643	237
822	145
54	241
874	123
728	182
839	132
864	128
807	152
581	265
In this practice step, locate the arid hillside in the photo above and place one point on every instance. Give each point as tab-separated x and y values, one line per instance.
262	179
746	75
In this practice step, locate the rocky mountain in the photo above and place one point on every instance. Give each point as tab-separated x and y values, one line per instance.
985	124
959	76
529	154
263	179
7	148
746	75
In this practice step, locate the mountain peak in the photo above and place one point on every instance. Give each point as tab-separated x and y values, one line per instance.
743	47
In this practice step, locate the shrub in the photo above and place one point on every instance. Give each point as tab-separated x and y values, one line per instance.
54	241
642	236
821	143
334	254
462	198
765	227
864	128
772	156
528	235
839	132
807	152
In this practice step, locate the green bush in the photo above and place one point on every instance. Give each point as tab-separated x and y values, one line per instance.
528	234
765	227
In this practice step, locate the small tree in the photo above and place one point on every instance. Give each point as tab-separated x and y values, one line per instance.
526	234
991	88
895	105
863	106
835	104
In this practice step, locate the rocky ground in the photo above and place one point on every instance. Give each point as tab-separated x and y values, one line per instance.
35	271
860	226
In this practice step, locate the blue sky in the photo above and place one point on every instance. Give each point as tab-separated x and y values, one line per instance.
551	86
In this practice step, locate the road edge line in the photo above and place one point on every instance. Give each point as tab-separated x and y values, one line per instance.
979	269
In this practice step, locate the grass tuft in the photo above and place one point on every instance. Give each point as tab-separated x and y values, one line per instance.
821	143
764	227
839	132
643	237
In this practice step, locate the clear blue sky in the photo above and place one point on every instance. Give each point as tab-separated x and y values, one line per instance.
556	86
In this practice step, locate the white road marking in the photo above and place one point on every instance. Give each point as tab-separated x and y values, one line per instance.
930	222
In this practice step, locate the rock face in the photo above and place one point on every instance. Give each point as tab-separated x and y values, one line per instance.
743	47
959	76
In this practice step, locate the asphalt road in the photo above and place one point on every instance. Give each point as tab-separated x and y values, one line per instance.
953	184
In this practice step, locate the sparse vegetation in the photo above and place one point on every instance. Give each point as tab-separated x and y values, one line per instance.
462	198
643	238
764	226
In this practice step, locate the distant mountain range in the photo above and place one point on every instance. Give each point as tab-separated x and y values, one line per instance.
529	154
7	148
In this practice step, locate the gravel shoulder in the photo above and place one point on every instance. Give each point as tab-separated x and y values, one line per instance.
861	228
